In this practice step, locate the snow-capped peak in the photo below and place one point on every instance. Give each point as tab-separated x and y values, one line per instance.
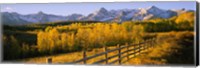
40	12
101	14
102	10
153	7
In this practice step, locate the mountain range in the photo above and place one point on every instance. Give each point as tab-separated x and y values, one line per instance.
13	18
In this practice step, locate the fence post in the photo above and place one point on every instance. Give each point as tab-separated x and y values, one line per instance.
146	44
119	52
127	51
49	60
106	54
134	50
152	42
139	48
144	47
84	56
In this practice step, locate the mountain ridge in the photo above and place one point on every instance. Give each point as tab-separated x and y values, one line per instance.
102	14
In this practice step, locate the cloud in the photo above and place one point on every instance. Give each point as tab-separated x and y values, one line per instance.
8	9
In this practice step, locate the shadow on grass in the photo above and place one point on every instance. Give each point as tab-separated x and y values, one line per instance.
185	53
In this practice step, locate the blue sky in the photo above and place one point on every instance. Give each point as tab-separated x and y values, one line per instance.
86	8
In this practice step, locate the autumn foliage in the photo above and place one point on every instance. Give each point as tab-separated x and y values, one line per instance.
76	36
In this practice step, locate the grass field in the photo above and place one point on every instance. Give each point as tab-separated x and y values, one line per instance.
162	54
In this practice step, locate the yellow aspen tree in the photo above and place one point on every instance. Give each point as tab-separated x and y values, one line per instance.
64	41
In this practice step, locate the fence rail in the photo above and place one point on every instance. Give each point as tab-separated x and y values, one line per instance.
137	48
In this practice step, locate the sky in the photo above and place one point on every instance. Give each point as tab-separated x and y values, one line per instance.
86	8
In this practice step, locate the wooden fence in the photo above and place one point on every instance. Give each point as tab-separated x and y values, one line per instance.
137	49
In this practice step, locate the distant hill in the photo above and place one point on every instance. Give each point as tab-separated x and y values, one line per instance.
102	14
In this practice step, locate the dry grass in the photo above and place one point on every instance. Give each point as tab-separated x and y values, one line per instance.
70	57
152	56
167	51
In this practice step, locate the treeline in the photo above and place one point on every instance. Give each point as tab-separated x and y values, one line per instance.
13	49
78	36
182	22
